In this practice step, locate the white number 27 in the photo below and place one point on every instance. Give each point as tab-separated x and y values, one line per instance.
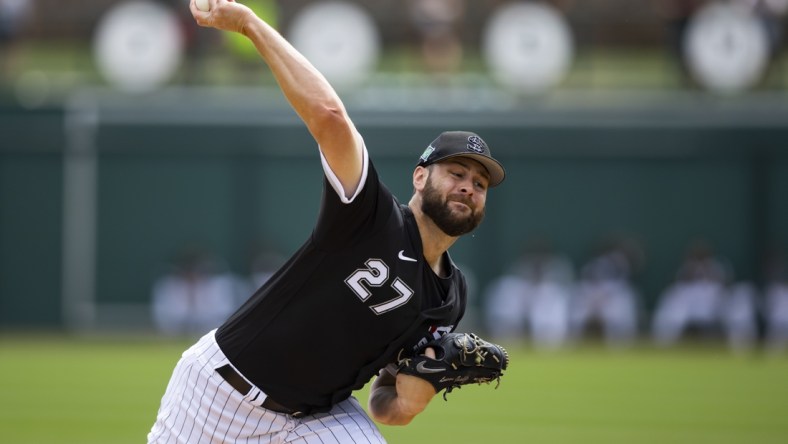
375	275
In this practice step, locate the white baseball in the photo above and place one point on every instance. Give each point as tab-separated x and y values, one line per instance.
202	5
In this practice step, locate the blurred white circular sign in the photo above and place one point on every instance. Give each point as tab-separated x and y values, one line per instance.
138	45
340	39
726	47
528	46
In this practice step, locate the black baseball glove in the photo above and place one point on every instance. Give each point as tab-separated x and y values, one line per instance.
460	359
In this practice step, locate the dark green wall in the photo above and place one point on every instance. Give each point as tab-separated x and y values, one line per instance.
30	215
575	178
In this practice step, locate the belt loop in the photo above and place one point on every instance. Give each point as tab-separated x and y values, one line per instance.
256	397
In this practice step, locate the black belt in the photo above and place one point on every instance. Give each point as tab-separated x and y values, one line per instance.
228	373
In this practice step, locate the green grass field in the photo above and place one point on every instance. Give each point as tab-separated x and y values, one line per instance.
107	391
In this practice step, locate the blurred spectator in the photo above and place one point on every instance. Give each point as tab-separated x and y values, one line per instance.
771	14
438	23
677	15
532	299
776	304
14	17
472	319
740	316
506	307
195	295
695	299
198	43
605	296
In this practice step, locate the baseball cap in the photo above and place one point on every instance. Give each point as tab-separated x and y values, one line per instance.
463	144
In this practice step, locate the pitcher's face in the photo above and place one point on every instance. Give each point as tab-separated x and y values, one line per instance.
455	194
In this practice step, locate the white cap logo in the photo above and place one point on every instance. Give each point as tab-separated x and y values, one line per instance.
475	143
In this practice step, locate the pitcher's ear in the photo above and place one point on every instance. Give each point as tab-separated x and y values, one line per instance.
420	175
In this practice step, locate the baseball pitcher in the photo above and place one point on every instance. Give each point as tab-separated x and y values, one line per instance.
372	293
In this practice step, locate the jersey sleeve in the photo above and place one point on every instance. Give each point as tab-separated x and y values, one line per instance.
336	185
344	220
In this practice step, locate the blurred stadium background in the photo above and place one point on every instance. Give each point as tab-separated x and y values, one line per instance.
133	143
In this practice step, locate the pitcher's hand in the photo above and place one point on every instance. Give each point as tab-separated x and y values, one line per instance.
225	15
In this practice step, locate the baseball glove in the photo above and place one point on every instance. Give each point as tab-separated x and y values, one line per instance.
460	359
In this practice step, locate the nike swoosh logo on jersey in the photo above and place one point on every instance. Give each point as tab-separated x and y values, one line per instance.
402	256
421	368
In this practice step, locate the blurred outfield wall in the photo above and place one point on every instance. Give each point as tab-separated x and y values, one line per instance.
97	196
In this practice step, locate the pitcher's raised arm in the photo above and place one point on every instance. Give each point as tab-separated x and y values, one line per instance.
307	90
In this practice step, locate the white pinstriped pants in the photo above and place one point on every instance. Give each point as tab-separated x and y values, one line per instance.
199	406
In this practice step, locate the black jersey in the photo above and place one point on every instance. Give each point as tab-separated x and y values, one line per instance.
354	295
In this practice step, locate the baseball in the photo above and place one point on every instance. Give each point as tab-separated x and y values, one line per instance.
202	5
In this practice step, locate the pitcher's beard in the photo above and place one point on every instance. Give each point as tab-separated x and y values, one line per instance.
437	208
